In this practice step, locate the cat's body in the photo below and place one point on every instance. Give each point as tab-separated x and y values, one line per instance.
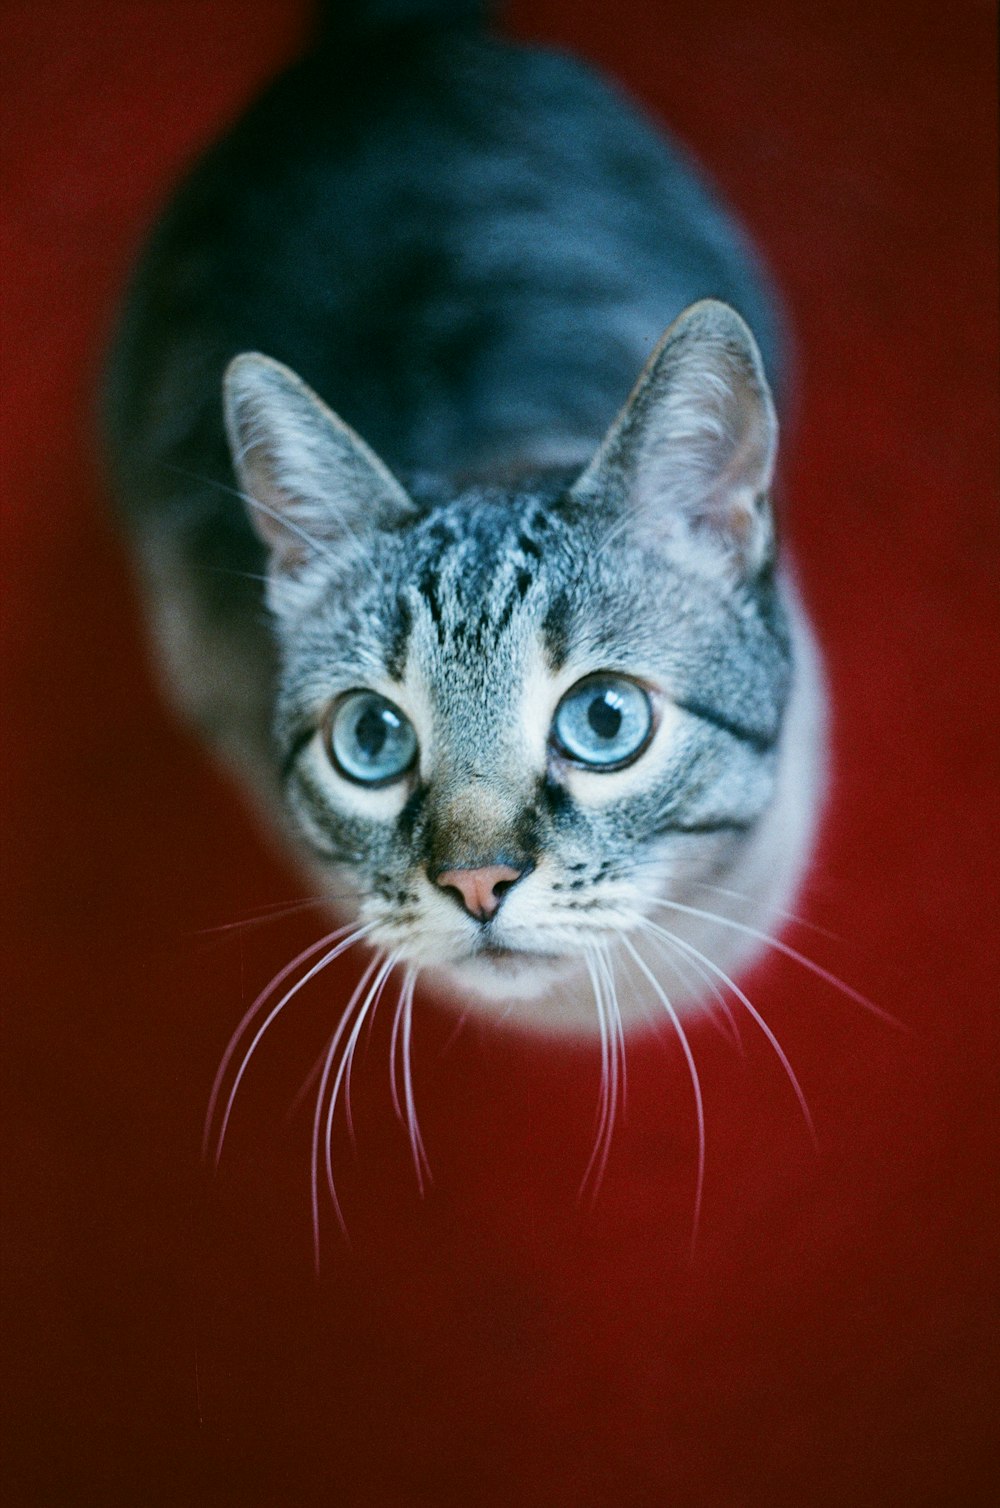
469	251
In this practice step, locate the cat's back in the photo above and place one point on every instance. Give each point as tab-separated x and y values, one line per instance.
466	246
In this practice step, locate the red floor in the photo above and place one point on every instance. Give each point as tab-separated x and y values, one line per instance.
496	1344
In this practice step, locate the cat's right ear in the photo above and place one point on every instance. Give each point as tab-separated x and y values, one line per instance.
311	485
690	458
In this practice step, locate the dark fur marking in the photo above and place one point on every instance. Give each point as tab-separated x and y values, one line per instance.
700	829
555	631
762	742
395	661
555	798
411	811
506	613
529	831
299	742
427	587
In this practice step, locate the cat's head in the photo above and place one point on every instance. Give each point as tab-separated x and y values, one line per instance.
512	720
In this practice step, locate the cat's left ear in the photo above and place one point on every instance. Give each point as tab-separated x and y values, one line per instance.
312	486
690	458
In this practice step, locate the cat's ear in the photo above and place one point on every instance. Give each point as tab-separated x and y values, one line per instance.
691	455
311	483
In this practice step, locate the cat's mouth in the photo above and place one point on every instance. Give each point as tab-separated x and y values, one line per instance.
512	957
502	973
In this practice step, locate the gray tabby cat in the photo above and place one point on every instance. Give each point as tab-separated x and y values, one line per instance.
532	692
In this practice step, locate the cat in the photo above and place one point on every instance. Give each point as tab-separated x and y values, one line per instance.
465	567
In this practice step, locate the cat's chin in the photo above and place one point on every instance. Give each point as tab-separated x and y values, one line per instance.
502	977
547	995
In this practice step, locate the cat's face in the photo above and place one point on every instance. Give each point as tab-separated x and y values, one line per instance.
514	720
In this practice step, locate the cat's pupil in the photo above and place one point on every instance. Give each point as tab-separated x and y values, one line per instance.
371	731
604	715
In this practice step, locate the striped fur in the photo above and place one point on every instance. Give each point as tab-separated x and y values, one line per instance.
470	250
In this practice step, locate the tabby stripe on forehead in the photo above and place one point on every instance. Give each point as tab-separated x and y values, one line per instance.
427	587
395	660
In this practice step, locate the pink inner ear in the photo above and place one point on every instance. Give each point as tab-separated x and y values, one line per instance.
310	481
272	511
745	473
693	449
709	457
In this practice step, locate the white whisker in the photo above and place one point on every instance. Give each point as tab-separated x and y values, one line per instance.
607	967
384	967
779	1051
456	1032
327	958
789	952
786	915
327	1065
397	1019
352	1048
276	911
594	1172
343	1068
249	1016
695	1084
681	965
420	1162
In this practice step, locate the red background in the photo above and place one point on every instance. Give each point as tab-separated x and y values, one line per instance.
496	1343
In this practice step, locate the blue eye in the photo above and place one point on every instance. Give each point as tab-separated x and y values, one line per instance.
369	740
605	721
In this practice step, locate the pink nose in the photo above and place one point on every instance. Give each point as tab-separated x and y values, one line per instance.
481	890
